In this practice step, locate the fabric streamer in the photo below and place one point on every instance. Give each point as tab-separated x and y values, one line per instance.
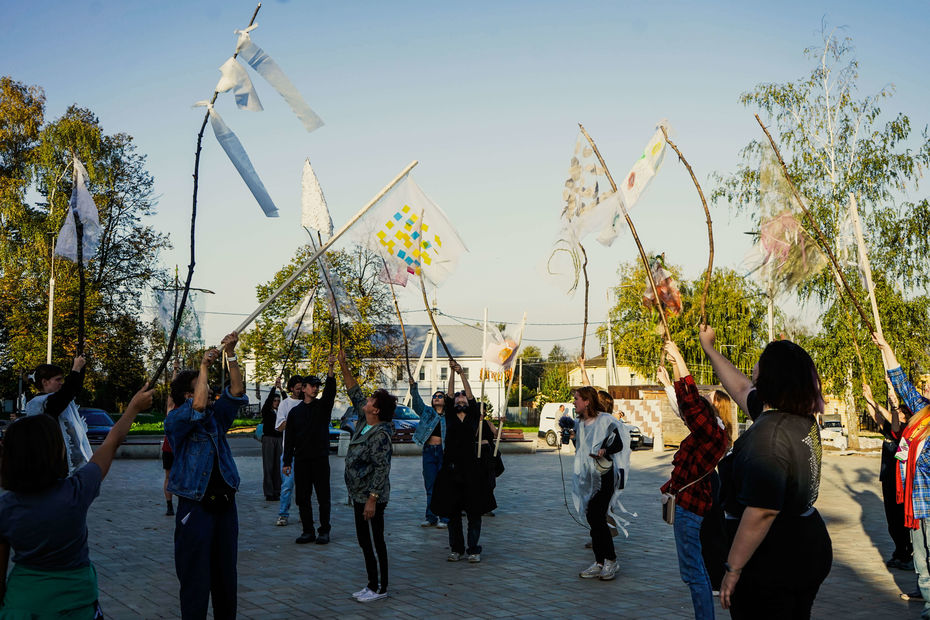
266	67
236	79
314	214
81	203
190	327
300	315
645	168
240	159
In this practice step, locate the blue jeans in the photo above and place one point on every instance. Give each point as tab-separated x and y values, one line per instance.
206	544
287	490
691	562
432	462
921	543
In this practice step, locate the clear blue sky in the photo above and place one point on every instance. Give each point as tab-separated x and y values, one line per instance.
485	94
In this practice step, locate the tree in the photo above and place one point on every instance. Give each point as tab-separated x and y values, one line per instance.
553	385
35	159
557	354
735	309
366	335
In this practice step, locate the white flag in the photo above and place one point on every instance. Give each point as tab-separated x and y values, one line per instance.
236	79
314	214
590	205
301	317
269	69
83	206
645	168
427	246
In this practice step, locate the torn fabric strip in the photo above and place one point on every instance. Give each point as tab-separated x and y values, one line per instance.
236	79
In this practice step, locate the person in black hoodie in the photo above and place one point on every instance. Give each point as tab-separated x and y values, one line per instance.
306	444
271	446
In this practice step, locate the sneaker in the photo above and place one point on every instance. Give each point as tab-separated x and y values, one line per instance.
474	558
361	592
281	521
442	525
306	537
454	557
371	596
427	524
592	572
911	596
907	565
322	539
609	571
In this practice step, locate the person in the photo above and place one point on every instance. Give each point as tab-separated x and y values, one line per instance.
272	446
368	479
914	470
602	452
431	434
692	467
205	480
295	387
307	447
56	398
462	483
43	517
891	423
780	549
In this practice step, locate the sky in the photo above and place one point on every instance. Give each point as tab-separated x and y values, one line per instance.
486	95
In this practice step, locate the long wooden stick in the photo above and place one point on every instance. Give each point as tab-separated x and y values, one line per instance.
190	265
500	425
329	286
587	286
639	246
82	285
484	375
400	319
866	266
432	320
813	224
306	265
710	225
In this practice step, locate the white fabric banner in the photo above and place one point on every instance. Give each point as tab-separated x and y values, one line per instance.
266	67
236	79
314	214
82	204
301	315
645	168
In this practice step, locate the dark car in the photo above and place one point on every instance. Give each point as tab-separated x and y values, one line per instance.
404	418
98	422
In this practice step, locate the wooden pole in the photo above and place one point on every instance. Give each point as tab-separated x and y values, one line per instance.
400	319
306	265
416	370
710	225
587	286
820	236
484	374
864	262
500	419
329	287
190	266
432	320
639	246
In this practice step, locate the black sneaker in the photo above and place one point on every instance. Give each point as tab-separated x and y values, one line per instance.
306	537
322	539
170	511
907	565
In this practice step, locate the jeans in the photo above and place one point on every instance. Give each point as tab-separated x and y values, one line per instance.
205	551
456	535
271	466
921	541
691	562
366	531
312	475
287	489
432	462
601	541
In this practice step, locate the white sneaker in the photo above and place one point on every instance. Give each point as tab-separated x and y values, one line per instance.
427	524
454	557
609	571
361	592
442	525
474	558
371	596
281	521
592	572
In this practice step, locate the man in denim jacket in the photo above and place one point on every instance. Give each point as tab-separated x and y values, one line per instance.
205	479
431	434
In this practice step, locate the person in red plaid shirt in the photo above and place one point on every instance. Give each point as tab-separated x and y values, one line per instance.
696	459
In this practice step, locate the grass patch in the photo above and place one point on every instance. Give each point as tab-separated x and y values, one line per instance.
158	428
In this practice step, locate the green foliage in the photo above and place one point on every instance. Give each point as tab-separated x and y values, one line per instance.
553	384
557	354
35	159
736	309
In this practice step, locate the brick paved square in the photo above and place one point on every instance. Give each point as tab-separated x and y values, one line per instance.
533	550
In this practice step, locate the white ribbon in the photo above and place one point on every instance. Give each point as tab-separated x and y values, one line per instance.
236	79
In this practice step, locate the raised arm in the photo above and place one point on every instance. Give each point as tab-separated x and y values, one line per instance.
236	385
201	384
734	382
878	413
59	401
328	399
103	457
465	386
905	389
347	378
663	378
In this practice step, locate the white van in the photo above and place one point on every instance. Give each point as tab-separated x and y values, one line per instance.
549	420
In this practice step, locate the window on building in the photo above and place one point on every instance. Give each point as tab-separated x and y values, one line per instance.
465	371
400	373
444	375
423	377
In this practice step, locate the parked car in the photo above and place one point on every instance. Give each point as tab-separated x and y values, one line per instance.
334	434
404	418
98	423
549	424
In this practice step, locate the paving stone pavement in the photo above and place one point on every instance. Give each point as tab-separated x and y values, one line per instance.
533	550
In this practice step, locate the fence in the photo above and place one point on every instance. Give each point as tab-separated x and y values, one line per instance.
524	416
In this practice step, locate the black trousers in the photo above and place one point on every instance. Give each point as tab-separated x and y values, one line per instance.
894	515
782	577
312	475
601	541
368	531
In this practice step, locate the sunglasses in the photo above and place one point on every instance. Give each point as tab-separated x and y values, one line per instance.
438	395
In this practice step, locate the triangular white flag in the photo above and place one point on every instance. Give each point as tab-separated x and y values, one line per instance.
83	205
236	79
314	214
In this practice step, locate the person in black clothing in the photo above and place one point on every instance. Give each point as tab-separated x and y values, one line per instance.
306	444
462	483
891	424
272	446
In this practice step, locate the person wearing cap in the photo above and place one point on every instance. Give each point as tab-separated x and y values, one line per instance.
295	386
306	445
431	434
